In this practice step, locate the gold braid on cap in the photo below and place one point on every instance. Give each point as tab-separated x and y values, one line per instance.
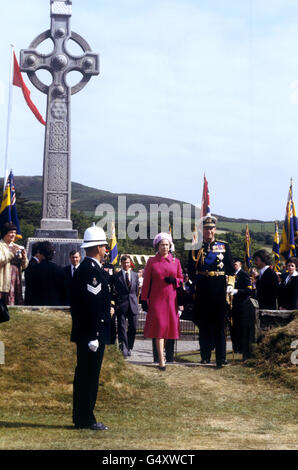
200	256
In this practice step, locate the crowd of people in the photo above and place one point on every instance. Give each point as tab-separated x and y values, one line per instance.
211	291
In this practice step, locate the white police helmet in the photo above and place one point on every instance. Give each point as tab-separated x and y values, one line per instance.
94	236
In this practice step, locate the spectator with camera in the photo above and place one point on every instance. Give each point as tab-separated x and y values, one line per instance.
13	260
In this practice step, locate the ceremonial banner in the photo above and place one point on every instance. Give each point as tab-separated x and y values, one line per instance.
8	210
113	247
289	236
205	207
18	81
247	256
275	250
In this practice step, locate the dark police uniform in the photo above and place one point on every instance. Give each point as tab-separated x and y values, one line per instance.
90	311
244	287
208	268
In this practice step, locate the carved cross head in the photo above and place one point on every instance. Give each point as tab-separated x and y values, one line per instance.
59	62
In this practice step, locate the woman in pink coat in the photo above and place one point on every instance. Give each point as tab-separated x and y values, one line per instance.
162	276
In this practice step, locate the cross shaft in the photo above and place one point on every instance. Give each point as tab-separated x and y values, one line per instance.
59	62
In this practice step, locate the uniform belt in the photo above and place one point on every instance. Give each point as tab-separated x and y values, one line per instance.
212	273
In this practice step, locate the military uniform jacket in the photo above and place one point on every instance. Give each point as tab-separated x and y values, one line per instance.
208	268
90	303
212	257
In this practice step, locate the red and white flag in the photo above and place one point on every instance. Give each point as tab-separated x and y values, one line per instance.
205	207
18	81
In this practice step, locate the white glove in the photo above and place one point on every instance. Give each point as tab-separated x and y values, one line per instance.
235	291
93	345
230	290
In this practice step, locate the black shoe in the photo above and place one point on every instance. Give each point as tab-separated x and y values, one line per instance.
219	365
94	427
163	368
98	427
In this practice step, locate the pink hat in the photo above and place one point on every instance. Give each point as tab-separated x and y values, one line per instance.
162	236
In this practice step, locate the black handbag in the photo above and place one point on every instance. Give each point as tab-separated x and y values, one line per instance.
4	314
189	314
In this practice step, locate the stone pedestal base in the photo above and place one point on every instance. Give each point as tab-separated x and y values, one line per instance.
62	247
54	233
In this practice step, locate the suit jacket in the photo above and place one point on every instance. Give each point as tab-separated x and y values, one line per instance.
288	293
28	281
90	303
243	285
267	288
125	297
68	279
48	284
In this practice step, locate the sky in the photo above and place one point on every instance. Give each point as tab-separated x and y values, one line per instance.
186	87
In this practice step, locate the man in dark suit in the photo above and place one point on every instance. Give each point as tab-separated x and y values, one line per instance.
69	270
126	286
241	292
267	281
48	279
91	317
34	260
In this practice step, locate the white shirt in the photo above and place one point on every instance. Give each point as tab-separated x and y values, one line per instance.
295	273
73	268
124	274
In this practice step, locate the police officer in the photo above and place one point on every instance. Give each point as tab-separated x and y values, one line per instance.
91	316
208	268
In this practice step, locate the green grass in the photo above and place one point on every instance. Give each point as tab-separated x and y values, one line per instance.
183	408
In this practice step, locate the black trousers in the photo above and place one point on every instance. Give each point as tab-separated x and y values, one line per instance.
126	335
212	335
85	384
236	330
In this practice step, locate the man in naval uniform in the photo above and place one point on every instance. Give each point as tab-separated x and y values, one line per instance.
91	316
212	272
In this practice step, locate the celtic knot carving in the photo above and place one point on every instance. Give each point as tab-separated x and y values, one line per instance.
57	205
57	172
58	136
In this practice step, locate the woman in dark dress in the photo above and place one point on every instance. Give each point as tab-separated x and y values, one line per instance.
288	288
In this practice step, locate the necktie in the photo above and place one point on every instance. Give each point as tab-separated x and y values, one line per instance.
127	280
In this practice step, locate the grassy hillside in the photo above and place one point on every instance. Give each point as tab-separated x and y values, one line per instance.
183	408
86	199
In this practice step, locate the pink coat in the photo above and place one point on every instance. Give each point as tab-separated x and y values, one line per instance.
162	320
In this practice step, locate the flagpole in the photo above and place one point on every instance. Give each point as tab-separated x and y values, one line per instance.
8	118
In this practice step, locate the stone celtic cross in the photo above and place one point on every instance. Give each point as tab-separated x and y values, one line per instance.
56	165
